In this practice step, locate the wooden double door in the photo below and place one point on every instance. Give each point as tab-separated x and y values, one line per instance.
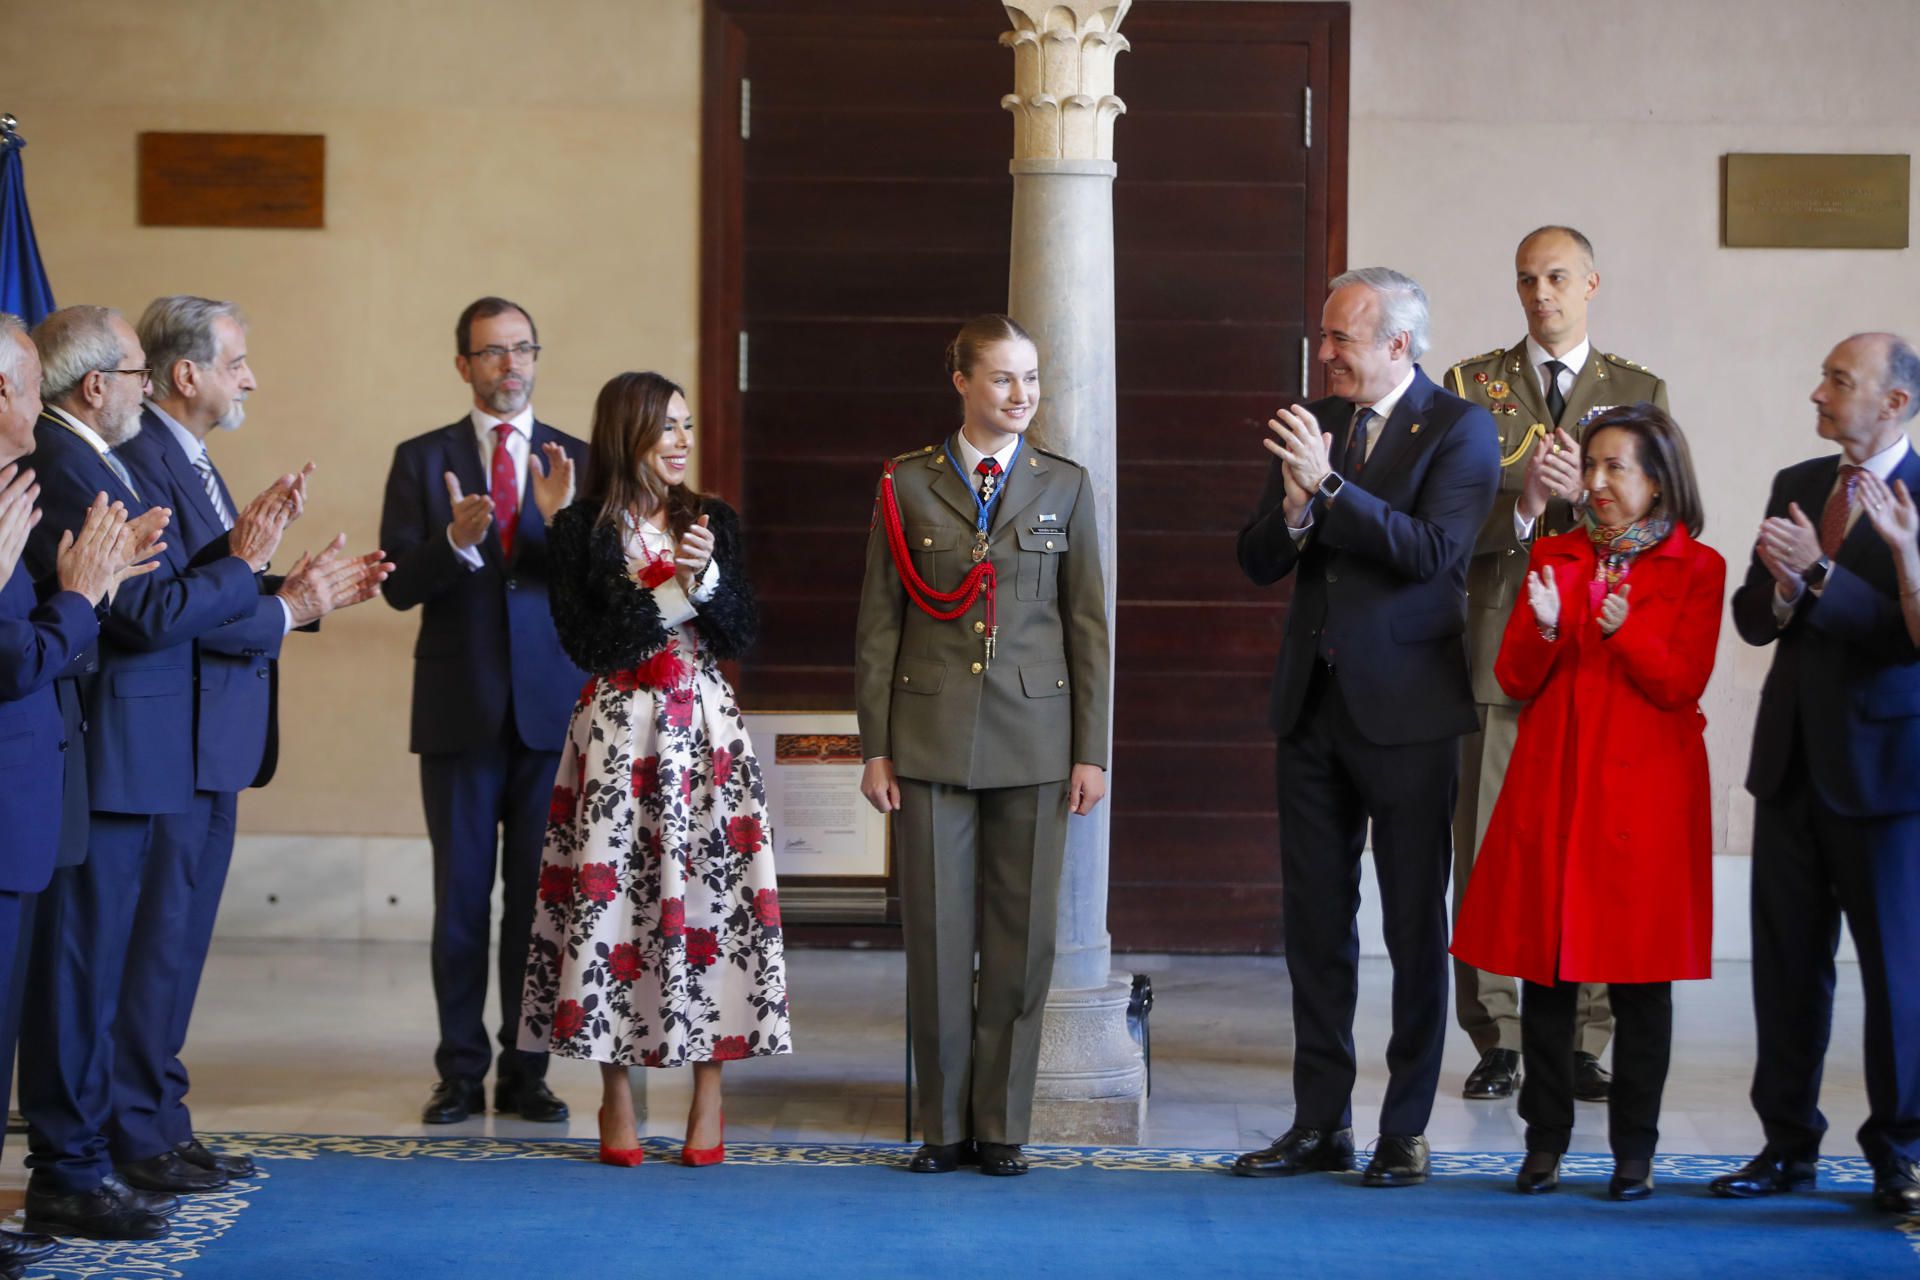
857	211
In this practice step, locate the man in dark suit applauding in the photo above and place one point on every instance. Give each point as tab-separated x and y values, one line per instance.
201	379
1374	498
1836	776
465	524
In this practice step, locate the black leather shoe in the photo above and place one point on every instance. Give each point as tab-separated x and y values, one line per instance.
1767	1174
18	1249
158	1203
943	1157
453	1101
1591	1081
530	1100
1397	1162
1299	1150
1497	1076
1001	1160
1539	1173
168	1172
1631	1180
1896	1187
104	1213
233	1166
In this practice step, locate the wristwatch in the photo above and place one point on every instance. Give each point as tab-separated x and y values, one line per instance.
1330	486
1816	573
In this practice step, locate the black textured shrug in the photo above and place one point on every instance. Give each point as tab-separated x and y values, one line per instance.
608	622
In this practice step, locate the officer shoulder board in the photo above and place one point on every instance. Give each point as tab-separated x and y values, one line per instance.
1456	379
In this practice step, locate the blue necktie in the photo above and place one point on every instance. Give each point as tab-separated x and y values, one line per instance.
1357	446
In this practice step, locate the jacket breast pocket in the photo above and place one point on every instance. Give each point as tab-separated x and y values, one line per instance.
919	675
933	548
1039	572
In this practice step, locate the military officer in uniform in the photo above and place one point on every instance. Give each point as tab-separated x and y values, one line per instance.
982	674
1541	391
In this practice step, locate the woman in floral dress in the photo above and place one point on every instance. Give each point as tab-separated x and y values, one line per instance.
656	941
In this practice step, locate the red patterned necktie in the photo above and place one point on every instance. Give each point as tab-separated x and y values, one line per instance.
505	488
1833	517
989	470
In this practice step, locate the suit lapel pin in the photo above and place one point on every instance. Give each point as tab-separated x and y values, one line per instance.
1414	429
1480	376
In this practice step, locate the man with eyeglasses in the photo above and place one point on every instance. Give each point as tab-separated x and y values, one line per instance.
200	381
465	524
137	700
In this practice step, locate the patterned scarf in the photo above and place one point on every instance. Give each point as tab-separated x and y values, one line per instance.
1617	546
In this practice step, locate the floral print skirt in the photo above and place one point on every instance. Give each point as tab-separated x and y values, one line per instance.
656	938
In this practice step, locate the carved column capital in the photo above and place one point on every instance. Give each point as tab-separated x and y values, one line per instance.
1063	102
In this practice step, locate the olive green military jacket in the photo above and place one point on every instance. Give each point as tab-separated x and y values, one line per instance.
927	695
1504	382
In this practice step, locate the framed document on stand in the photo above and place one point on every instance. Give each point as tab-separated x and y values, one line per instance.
829	845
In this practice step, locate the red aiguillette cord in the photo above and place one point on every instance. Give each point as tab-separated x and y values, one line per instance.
977	585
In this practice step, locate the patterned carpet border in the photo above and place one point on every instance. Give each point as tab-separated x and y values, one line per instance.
203	1219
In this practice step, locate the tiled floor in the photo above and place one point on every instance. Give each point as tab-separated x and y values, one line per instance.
338	1038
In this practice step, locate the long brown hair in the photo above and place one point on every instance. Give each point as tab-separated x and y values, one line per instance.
628	420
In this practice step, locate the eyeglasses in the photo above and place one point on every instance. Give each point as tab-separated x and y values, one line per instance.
518	351
143	373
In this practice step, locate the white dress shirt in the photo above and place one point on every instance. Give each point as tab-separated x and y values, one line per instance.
196	449
99	445
519	447
1882	465
970	459
1537	356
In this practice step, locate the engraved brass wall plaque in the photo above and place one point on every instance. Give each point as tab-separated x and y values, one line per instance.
233	180
1815	201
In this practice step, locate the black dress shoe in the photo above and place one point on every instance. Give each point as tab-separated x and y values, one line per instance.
1591	1081
233	1166
1497	1076
19	1249
1631	1180
1539	1173
1299	1150
453	1101
160	1204
1767	1174
1001	1160
1397	1162
530	1100
104	1213
170	1173
943	1157
1896	1187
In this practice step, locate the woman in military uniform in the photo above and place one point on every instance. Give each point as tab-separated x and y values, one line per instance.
982	673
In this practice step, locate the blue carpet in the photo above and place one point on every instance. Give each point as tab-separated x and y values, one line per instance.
481	1208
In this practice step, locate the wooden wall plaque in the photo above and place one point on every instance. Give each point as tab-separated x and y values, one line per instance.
233	180
1815	201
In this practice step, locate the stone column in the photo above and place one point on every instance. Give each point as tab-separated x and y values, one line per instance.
1092	1085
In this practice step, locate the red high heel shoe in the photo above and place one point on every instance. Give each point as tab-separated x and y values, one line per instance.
624	1159
699	1157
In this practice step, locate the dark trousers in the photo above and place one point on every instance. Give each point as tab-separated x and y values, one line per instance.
1810	867
1332	783
978	1059
81	929
179	901
15	933
486	815
1642	1046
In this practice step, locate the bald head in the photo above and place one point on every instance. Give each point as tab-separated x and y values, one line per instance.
1554	276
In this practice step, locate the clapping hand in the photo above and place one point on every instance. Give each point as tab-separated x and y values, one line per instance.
332	580
553	483
693	554
1893	513
107	550
257	532
472	516
1544	597
1294	437
1553	472
18	515
1788	546
1613	610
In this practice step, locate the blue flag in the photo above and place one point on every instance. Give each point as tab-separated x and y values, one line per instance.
23	281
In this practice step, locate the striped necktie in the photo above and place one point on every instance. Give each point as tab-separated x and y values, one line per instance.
119	468
204	465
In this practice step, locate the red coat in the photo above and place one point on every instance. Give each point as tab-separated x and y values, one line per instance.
1598	860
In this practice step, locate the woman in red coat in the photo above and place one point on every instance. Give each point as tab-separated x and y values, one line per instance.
1598	860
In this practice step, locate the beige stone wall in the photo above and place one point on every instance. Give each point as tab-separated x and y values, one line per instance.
548	152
